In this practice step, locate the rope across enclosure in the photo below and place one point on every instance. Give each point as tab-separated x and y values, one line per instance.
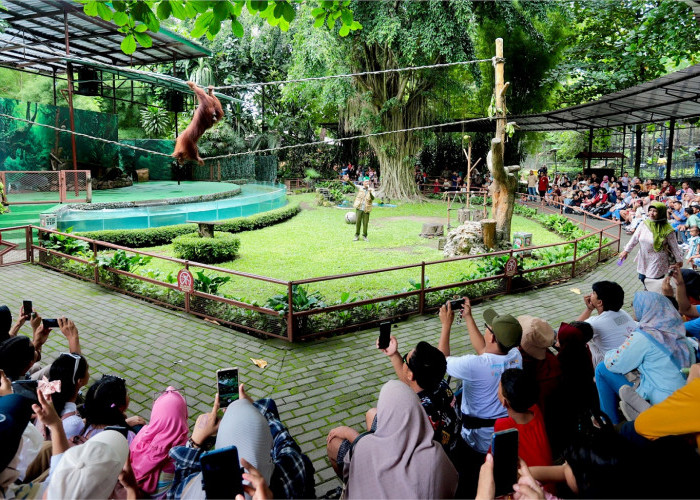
292	322
243	153
351	75
280	82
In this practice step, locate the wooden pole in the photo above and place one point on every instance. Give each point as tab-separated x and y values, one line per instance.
69	79
499	90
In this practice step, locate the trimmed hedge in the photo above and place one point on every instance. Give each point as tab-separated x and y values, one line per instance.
221	248
155	236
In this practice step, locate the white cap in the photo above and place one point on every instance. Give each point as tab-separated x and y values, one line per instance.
90	470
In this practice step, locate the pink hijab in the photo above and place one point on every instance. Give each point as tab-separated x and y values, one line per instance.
150	447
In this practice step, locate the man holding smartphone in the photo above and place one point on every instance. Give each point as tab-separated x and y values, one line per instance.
496	351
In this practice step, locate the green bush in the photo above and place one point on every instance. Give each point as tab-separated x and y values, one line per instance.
155	236
221	248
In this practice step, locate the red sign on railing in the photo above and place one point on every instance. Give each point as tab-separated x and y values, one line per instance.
185	281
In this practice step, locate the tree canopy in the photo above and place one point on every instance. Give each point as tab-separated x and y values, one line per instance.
136	17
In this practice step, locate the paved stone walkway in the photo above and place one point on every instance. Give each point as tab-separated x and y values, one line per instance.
317	386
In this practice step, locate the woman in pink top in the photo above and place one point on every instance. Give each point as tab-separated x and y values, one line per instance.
658	247
152	466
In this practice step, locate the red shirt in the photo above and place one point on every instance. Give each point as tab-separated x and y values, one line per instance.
533	444
543	183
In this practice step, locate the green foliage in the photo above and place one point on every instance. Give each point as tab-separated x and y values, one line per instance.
155	122
139	238
615	45
221	248
135	17
66	244
209	283
302	300
122	261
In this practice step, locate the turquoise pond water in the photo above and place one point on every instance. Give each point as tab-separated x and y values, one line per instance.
254	198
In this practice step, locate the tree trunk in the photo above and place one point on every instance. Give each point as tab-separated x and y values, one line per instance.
502	189
395	153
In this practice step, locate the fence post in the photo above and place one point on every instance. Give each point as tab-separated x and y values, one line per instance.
218	171
61	186
88	187
75	183
600	244
509	279
290	313
29	242
421	297
619	236
573	263
187	294
97	268
211	172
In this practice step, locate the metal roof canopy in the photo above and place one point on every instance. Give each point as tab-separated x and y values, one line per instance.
674	96
35	38
150	77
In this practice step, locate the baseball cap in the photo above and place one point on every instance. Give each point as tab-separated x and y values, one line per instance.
538	335
90	470
365	178
505	328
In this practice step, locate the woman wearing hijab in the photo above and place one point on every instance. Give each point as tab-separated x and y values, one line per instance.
400	460
659	248
153	468
658	348
576	396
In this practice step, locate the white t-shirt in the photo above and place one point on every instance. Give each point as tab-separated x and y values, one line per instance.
481	375
610	330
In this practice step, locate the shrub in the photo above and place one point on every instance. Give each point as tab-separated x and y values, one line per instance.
221	248
154	236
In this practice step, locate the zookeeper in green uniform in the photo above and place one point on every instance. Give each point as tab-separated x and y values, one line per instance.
363	206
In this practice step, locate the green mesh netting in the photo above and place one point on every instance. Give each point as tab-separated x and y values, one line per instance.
159	167
25	146
266	168
233	168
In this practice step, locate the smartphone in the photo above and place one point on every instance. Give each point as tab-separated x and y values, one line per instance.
227	382
456	304
50	323
504	447
221	473
123	430
26	389
384	334
27	307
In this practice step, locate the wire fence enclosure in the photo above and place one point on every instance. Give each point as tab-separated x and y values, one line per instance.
46	186
294	311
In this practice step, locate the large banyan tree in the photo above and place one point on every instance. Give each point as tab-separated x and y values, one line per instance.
395	35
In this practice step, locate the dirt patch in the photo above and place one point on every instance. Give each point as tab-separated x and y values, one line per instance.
306	206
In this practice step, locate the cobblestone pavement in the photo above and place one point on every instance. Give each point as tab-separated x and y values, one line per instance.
317	386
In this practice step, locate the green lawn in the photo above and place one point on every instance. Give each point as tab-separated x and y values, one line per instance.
318	242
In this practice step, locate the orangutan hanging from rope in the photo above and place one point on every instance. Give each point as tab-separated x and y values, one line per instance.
205	116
